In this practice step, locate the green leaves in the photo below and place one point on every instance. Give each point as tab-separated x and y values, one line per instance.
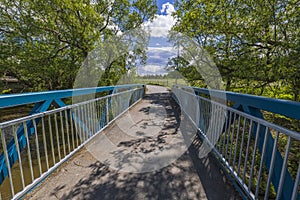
254	40
44	42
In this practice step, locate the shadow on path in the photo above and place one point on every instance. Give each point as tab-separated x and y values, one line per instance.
188	177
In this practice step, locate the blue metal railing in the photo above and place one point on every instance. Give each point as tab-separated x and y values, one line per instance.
43	101
54	97
253	104
275	164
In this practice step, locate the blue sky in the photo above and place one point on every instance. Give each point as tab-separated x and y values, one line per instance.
160	4
159	50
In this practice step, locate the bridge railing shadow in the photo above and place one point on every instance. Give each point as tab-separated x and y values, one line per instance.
262	157
35	145
174	181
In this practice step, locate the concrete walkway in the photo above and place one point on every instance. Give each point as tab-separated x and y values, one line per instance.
145	154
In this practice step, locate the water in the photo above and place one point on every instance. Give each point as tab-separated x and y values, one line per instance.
5	189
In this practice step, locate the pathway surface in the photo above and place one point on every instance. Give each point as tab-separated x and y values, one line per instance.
145	154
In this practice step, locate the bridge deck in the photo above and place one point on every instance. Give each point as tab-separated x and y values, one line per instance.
140	156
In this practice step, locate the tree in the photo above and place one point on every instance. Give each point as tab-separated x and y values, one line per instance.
179	67
44	42
255	41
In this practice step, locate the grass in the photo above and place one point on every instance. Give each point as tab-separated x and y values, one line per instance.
167	82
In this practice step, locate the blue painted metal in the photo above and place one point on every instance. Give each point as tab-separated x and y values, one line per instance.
288	181
253	105
34	97
28	98
42	100
286	108
11	147
58	103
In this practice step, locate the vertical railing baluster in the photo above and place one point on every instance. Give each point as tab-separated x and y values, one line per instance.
218	126
99	112
77	127
90	118
51	139
62	132
232	136
80	135
271	166
81	124
72	128
86	121
296	184
28	151
228	134
67	131
198	113
247	151
283	170
19	155
107	111
237	140
215	132
98	116
84	125
261	162
224	134
87	115
93	113
45	143
57	136
253	157
208	113
7	162
241	147
37	146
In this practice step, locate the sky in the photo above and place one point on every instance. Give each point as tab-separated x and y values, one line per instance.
159	49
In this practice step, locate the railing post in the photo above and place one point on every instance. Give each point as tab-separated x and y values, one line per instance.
8	165
107	111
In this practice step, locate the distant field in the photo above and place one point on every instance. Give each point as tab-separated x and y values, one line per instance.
168	82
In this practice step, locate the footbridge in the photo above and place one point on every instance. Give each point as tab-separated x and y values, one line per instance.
149	142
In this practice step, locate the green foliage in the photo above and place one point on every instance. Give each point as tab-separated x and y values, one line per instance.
250	41
178	67
7	91
44	42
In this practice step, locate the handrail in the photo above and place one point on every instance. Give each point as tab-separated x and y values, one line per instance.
23	128
226	130
12	100
287	108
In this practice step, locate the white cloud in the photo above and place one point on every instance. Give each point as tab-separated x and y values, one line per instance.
159	55
167	8
152	68
157	58
159	49
162	23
